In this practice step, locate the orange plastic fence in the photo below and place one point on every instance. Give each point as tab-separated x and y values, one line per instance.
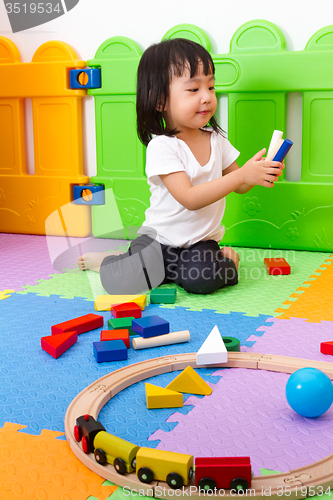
27	200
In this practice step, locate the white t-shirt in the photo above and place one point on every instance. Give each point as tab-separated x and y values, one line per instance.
173	223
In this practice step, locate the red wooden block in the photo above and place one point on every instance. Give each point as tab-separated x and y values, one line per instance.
277	266
80	325
130	309
326	348
116	335
56	345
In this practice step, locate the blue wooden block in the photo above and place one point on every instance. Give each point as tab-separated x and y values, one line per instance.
110	350
97	192
150	326
93	76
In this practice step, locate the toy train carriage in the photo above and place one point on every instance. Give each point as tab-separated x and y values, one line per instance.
116	451
174	468
223	473
86	429
106	447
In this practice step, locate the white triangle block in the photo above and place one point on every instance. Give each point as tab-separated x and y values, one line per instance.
213	350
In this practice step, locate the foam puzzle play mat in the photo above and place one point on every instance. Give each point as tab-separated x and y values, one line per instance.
163	393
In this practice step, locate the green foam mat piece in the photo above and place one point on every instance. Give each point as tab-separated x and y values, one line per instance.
256	293
119	494
68	285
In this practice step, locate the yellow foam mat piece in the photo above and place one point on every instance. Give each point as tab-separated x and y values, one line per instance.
189	381
313	303
159	397
43	467
105	302
5	294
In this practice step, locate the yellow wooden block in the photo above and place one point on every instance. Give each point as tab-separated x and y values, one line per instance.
190	382
158	397
105	302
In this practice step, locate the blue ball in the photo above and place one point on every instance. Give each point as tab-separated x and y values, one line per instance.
309	392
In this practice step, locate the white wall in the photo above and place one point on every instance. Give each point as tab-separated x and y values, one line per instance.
91	22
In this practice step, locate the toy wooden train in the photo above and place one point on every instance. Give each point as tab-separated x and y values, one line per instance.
150	464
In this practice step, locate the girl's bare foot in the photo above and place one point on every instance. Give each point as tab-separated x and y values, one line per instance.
231	254
93	260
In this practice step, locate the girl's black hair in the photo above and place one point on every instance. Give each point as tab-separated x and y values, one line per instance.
158	64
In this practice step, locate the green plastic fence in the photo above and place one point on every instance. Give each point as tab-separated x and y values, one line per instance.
257	75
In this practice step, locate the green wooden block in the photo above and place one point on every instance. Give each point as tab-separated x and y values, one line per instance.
160	296
121	323
231	344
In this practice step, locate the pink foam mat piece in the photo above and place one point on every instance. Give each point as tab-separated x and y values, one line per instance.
24	259
294	337
247	415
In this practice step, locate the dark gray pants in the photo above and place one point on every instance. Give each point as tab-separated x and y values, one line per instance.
147	264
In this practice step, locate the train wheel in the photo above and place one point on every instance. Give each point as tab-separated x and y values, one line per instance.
239	485
174	480
119	465
100	456
145	475
78	433
85	445
133	463
206	484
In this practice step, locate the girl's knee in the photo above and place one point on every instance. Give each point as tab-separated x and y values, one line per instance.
207	279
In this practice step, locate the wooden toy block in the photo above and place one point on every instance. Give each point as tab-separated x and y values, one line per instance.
277	135
110	350
105	302
150	326
189	381
213	350
121	324
274	150
127	310
232	344
166	339
326	348
116	335
56	345
163	296
82	324
277	266
158	397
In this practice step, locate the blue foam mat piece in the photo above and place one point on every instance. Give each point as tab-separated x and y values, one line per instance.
36	389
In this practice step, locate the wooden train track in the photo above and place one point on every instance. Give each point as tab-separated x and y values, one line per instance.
298	483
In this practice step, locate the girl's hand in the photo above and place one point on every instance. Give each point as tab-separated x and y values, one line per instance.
259	172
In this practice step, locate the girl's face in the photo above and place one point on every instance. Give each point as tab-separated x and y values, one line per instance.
191	101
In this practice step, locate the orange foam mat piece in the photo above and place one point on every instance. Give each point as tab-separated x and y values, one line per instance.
44	468
313	303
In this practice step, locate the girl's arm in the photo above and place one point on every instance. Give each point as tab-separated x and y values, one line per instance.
254	172
244	188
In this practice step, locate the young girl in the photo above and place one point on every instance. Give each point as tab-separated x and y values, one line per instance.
191	167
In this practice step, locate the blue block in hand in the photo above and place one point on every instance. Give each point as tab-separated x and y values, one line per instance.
150	326
110	350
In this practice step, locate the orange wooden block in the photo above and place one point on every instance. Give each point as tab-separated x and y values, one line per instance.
116	335
130	309
80	325
56	345
277	266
